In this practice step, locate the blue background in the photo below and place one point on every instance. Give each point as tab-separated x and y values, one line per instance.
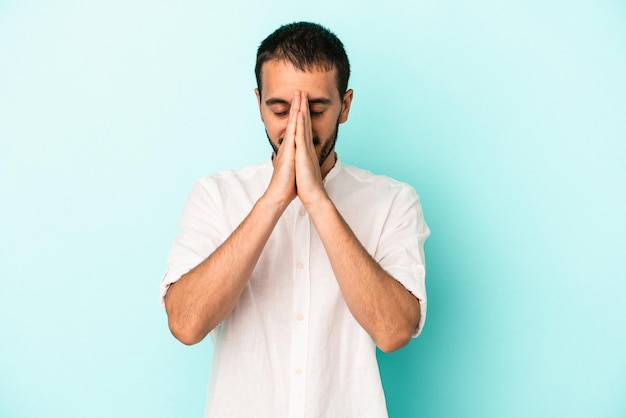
508	117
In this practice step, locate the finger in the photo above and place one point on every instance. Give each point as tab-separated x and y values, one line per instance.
305	102
307	129
303	134
300	123
293	113
297	100
295	104
308	135
290	130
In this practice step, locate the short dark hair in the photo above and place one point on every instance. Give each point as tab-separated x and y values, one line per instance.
306	46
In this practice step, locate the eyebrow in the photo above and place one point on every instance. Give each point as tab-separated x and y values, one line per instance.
320	100
316	100
270	102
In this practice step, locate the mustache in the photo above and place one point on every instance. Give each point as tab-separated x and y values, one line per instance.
316	141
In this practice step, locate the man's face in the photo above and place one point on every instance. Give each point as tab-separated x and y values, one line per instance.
280	79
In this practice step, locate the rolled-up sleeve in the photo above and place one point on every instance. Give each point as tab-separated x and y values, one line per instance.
199	235
401	247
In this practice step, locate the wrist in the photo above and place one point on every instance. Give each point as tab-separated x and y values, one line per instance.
272	204
319	205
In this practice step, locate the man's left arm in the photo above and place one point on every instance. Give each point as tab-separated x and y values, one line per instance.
381	305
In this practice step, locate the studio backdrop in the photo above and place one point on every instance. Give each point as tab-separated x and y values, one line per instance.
507	117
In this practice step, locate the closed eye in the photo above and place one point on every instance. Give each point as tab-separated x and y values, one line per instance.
283	114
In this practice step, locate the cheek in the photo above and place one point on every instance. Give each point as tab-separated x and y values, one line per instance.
275	128
324	127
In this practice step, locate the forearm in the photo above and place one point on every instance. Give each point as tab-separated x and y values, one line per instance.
381	305
202	298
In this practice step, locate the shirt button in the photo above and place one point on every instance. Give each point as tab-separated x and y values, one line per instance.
299	317
300	265
302	212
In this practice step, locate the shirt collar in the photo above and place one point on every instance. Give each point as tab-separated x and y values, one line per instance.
333	171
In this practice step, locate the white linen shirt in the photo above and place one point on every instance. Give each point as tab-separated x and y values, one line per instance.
290	347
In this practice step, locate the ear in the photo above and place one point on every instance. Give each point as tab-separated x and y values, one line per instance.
258	101
345	106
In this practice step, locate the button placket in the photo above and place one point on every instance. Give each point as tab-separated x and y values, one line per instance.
300	310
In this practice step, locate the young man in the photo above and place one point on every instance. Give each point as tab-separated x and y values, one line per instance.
300	266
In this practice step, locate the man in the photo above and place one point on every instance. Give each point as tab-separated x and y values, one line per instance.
300	266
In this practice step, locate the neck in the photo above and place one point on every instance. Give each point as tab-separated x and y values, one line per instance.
328	163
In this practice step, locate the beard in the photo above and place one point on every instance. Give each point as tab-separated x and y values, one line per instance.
324	152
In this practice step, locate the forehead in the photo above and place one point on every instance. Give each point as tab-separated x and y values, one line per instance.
280	79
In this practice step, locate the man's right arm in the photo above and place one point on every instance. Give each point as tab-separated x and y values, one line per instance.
203	297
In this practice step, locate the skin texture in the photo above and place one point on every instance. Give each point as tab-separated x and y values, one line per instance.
301	111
